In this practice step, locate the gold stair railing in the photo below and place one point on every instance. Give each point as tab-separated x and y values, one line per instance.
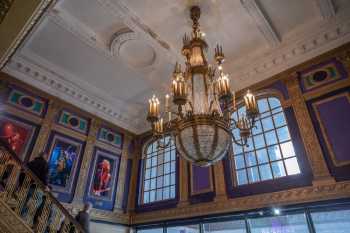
29	198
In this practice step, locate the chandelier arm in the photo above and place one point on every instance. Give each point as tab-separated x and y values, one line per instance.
236	141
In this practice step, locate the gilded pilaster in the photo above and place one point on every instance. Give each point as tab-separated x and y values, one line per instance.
308	134
122	173
183	182
87	158
45	128
219	180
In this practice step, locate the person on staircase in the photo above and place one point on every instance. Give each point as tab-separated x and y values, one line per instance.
83	217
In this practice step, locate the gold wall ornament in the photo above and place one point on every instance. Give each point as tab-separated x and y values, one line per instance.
201	130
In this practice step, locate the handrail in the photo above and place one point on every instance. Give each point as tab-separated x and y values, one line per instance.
39	183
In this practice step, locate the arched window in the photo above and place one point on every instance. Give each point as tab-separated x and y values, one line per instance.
159	172
270	152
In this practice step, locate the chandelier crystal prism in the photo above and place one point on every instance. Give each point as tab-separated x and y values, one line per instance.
202	127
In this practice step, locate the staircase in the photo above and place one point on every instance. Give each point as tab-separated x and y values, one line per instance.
25	205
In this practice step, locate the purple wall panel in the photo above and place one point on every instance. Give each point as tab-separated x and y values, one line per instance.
201	180
334	116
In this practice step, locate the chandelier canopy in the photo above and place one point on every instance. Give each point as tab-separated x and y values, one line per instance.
202	126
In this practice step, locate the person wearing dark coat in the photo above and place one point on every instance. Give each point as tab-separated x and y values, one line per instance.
83	217
40	168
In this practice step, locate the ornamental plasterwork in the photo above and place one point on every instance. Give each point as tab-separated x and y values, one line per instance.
293	196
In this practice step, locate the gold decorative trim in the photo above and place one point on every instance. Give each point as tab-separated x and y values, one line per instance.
323	128
307	131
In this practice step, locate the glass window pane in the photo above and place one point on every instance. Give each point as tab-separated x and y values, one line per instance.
154	172
236	133
184	229
259	141
166	180
154	161
278	224
283	134
262	156
250	145
146	197
274	102
172	191
292	166
160	170
159	195
250	159
263	105
166	193
332	221
241	177
267	123
147	185
152	196
237	149
167	157
274	152
172	178
166	168
278	169
271	138
148	174
265	172
276	110
287	149
148	163
159	181
158	230
225	227
279	119
258	128
253	174
239	161
153	183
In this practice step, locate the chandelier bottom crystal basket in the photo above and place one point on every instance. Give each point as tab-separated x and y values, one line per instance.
202	126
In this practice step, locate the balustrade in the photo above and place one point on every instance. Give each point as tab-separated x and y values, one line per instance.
28	197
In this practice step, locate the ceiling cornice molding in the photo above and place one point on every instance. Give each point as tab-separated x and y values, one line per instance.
327	8
291	54
262	22
55	84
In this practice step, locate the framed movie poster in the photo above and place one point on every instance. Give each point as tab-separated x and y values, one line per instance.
19	134
64	158
103	178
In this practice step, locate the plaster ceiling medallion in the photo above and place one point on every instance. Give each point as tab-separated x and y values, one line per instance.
132	49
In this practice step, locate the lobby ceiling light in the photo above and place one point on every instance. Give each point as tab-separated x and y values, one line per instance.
202	125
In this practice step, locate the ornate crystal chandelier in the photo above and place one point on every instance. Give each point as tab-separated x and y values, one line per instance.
202	127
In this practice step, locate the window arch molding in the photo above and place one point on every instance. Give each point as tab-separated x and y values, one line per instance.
158	175
269	183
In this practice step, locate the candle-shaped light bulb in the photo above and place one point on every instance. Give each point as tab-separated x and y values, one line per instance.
223	85
167	101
